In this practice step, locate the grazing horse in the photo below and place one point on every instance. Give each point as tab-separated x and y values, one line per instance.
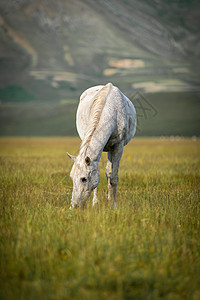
106	121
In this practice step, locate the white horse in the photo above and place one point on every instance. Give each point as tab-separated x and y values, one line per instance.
106	121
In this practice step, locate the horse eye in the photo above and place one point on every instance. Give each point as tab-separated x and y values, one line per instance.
84	180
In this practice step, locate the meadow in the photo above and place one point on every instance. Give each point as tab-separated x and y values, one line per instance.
146	248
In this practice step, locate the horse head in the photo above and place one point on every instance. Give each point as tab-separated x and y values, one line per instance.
85	177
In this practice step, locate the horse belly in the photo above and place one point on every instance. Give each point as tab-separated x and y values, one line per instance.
113	140
131	121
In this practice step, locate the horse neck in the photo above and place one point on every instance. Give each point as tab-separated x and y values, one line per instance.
95	146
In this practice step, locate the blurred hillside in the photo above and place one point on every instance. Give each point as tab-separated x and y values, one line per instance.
51	51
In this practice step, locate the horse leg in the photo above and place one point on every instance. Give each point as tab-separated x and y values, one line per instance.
112	168
108	175
95	197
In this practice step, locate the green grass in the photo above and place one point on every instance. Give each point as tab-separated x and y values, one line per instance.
177	114
15	93
38	120
147	248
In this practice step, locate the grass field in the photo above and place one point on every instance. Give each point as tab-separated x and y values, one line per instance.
147	248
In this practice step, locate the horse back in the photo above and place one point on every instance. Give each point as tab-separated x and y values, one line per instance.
117	109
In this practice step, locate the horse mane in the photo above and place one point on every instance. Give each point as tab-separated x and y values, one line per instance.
95	114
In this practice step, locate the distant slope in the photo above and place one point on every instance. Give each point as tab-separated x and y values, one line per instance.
51	51
56	50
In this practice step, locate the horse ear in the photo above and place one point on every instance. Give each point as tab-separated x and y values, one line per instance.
72	157
88	161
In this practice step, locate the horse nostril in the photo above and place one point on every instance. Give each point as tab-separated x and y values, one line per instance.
84	180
